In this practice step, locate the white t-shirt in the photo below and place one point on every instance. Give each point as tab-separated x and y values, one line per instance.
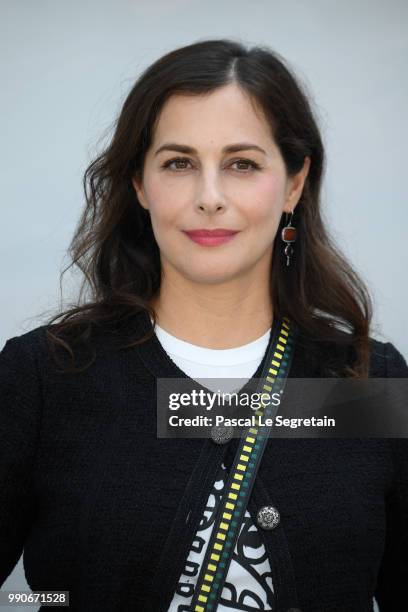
248	585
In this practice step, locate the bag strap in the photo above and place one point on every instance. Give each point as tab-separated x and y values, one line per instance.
242	476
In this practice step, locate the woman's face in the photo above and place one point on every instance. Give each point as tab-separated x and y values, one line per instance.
192	181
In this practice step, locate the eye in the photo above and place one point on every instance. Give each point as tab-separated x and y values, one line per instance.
184	160
249	162
176	160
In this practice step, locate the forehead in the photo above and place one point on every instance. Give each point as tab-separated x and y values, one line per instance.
225	114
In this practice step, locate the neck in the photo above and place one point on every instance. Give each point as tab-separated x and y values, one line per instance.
214	316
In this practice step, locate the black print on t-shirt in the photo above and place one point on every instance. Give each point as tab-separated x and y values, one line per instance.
248	586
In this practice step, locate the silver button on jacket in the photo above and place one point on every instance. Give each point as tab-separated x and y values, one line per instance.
268	517
221	434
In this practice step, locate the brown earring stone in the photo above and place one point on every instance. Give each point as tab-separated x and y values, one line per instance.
289	234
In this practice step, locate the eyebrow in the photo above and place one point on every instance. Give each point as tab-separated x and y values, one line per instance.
233	148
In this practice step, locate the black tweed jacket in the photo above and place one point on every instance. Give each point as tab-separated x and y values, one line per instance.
104	509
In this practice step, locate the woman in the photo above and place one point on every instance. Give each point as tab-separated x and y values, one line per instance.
213	136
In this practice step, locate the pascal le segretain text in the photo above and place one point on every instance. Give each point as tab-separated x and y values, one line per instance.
252	421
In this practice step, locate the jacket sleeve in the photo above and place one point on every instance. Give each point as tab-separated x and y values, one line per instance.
393	575
20	405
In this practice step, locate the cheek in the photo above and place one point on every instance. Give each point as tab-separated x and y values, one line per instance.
264	204
164	204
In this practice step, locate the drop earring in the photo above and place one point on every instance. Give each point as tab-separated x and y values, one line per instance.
289	235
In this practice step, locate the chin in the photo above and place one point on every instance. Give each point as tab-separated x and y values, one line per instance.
210	277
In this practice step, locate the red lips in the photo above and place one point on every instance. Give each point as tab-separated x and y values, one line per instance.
211	238
204	233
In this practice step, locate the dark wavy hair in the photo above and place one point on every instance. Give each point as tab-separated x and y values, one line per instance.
114	245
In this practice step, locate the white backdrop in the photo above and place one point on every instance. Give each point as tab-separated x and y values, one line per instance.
66	68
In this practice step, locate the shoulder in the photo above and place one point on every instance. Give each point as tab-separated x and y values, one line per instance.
27	354
328	356
28	344
21	387
386	360
49	349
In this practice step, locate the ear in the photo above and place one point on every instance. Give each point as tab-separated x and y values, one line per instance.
295	186
138	187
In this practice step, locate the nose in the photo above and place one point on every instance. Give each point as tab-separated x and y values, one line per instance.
210	198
